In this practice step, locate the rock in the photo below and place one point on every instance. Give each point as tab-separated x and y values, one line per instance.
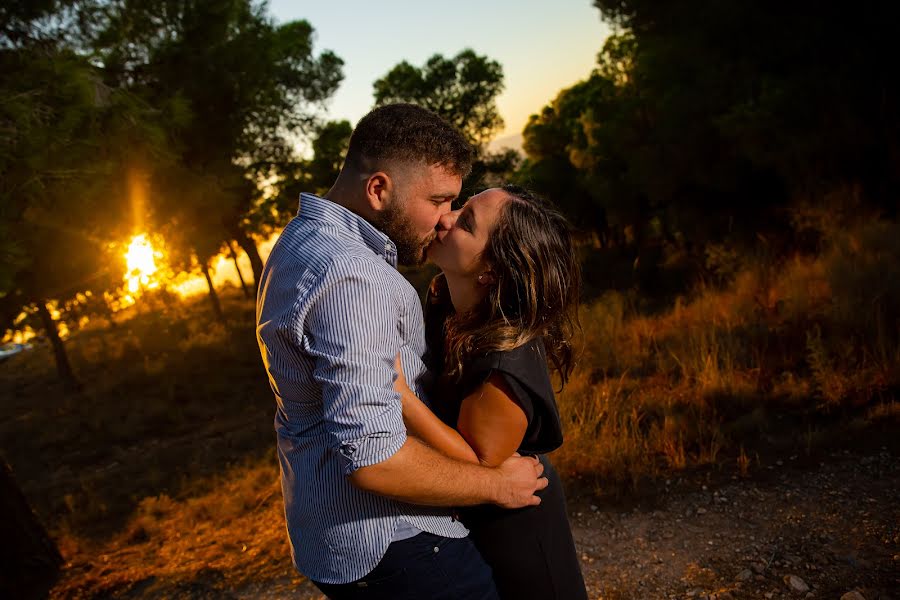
769	595
758	568
854	595
745	575
701	511
797	585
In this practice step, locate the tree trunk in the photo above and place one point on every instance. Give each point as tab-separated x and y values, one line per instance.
59	350
213	296
29	560
249	246
238	269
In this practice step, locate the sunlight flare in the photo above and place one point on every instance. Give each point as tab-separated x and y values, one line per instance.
141	261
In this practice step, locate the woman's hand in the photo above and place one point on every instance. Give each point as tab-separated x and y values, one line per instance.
409	402
400	385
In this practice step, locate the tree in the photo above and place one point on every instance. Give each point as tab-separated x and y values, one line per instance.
25	23
68	141
463	90
65	138
329	149
316	175
236	90
576	147
696	130
752	107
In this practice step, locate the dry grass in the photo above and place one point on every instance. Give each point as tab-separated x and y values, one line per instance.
229	535
806	337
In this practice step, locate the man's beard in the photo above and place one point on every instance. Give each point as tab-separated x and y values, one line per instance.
395	224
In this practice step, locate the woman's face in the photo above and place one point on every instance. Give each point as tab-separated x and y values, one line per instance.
462	235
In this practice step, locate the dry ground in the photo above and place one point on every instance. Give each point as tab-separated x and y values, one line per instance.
801	529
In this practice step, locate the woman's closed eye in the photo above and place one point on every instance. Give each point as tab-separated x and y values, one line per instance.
465	221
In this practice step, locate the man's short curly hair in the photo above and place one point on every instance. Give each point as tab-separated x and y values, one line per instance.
408	133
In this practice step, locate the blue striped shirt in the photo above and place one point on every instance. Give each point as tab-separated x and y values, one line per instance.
332	314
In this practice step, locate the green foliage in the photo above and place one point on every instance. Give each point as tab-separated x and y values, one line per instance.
315	175
329	149
496	168
556	142
805	110
462	90
27	22
235	89
702	130
68	141
117	117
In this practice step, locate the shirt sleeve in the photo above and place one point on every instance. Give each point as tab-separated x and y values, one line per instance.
351	331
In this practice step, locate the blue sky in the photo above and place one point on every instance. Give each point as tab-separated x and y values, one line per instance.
543	46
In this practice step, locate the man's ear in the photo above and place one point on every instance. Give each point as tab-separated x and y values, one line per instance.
379	190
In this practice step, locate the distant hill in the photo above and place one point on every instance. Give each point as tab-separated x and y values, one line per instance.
513	141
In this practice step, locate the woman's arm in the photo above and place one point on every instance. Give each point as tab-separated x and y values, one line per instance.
425	425
491	424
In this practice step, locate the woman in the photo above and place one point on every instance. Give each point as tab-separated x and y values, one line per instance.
503	305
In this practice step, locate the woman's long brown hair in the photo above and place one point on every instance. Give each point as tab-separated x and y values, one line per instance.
536	292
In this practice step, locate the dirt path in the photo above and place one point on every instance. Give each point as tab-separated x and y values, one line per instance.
817	531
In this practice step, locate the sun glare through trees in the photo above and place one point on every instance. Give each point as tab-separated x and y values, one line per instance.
141	259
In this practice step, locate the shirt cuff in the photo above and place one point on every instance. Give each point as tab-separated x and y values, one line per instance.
370	450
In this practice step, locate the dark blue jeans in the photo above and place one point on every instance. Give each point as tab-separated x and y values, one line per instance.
424	566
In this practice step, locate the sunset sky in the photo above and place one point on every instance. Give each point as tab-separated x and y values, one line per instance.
543	46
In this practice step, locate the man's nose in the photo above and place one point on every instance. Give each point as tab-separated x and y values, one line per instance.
448	220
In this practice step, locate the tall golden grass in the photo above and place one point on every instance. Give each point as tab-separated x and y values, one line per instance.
809	333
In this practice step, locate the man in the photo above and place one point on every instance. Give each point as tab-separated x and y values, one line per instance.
333	313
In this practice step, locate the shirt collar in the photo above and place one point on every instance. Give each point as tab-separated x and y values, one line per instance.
315	208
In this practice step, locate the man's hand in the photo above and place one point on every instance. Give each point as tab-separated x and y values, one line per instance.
520	478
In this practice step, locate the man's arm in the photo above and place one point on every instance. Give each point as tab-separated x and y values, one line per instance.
351	332
420	475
